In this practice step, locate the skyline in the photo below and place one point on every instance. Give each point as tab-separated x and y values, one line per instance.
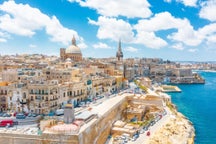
182	30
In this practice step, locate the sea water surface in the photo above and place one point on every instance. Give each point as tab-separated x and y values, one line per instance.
198	103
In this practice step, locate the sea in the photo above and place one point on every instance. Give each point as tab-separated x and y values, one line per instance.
198	103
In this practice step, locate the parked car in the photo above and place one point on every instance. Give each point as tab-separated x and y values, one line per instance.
1	114
32	115
4	123
51	114
59	112
6	115
20	116
164	113
15	114
148	133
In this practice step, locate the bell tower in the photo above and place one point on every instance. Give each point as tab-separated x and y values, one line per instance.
119	53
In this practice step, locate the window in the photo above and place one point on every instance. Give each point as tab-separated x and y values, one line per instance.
24	95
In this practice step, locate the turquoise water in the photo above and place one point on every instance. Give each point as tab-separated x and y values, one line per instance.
198	103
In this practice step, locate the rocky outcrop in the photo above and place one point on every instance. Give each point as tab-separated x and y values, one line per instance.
177	130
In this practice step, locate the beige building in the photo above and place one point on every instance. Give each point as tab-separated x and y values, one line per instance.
61	75
3	96
18	97
76	91
43	96
73	52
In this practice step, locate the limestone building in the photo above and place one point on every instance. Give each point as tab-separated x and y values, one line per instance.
73	52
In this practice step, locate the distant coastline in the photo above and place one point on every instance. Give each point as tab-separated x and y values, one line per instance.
206	70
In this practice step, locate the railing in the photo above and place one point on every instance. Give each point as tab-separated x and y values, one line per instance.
35	93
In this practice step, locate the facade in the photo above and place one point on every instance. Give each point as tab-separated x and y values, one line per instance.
18	97
43	96
3	96
76	91
73	52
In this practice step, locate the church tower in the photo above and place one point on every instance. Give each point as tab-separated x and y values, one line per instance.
119	53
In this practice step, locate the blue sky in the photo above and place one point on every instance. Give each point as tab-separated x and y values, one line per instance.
168	29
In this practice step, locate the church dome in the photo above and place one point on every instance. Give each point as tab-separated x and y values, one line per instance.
73	49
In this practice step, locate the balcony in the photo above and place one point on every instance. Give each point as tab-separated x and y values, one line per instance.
36	93
54	99
53	106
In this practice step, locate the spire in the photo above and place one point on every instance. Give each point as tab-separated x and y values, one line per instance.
119	48
119	53
73	41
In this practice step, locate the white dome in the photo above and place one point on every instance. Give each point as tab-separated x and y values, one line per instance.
73	49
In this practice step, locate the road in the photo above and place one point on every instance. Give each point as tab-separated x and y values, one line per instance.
143	138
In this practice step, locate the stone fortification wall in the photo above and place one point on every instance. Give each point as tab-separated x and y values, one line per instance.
6	138
96	133
99	131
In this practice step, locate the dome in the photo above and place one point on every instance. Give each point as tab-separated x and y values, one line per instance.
73	49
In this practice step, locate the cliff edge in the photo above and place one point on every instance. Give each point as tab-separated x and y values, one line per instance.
177	130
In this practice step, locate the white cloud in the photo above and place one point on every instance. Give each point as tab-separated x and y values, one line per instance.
187	35
4	36
32	46
59	33
82	45
23	20
112	28
208	10
146	29
150	40
192	50
3	40
71	0
131	49
191	3
115	8
178	46
168	1
164	21
101	45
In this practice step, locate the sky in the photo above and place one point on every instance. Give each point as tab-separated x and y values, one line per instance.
177	30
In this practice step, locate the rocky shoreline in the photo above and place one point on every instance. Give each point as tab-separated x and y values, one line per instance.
177	130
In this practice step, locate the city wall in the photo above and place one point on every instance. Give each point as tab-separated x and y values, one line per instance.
96	133
99	131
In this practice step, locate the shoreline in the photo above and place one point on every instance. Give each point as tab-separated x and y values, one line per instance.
178	129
